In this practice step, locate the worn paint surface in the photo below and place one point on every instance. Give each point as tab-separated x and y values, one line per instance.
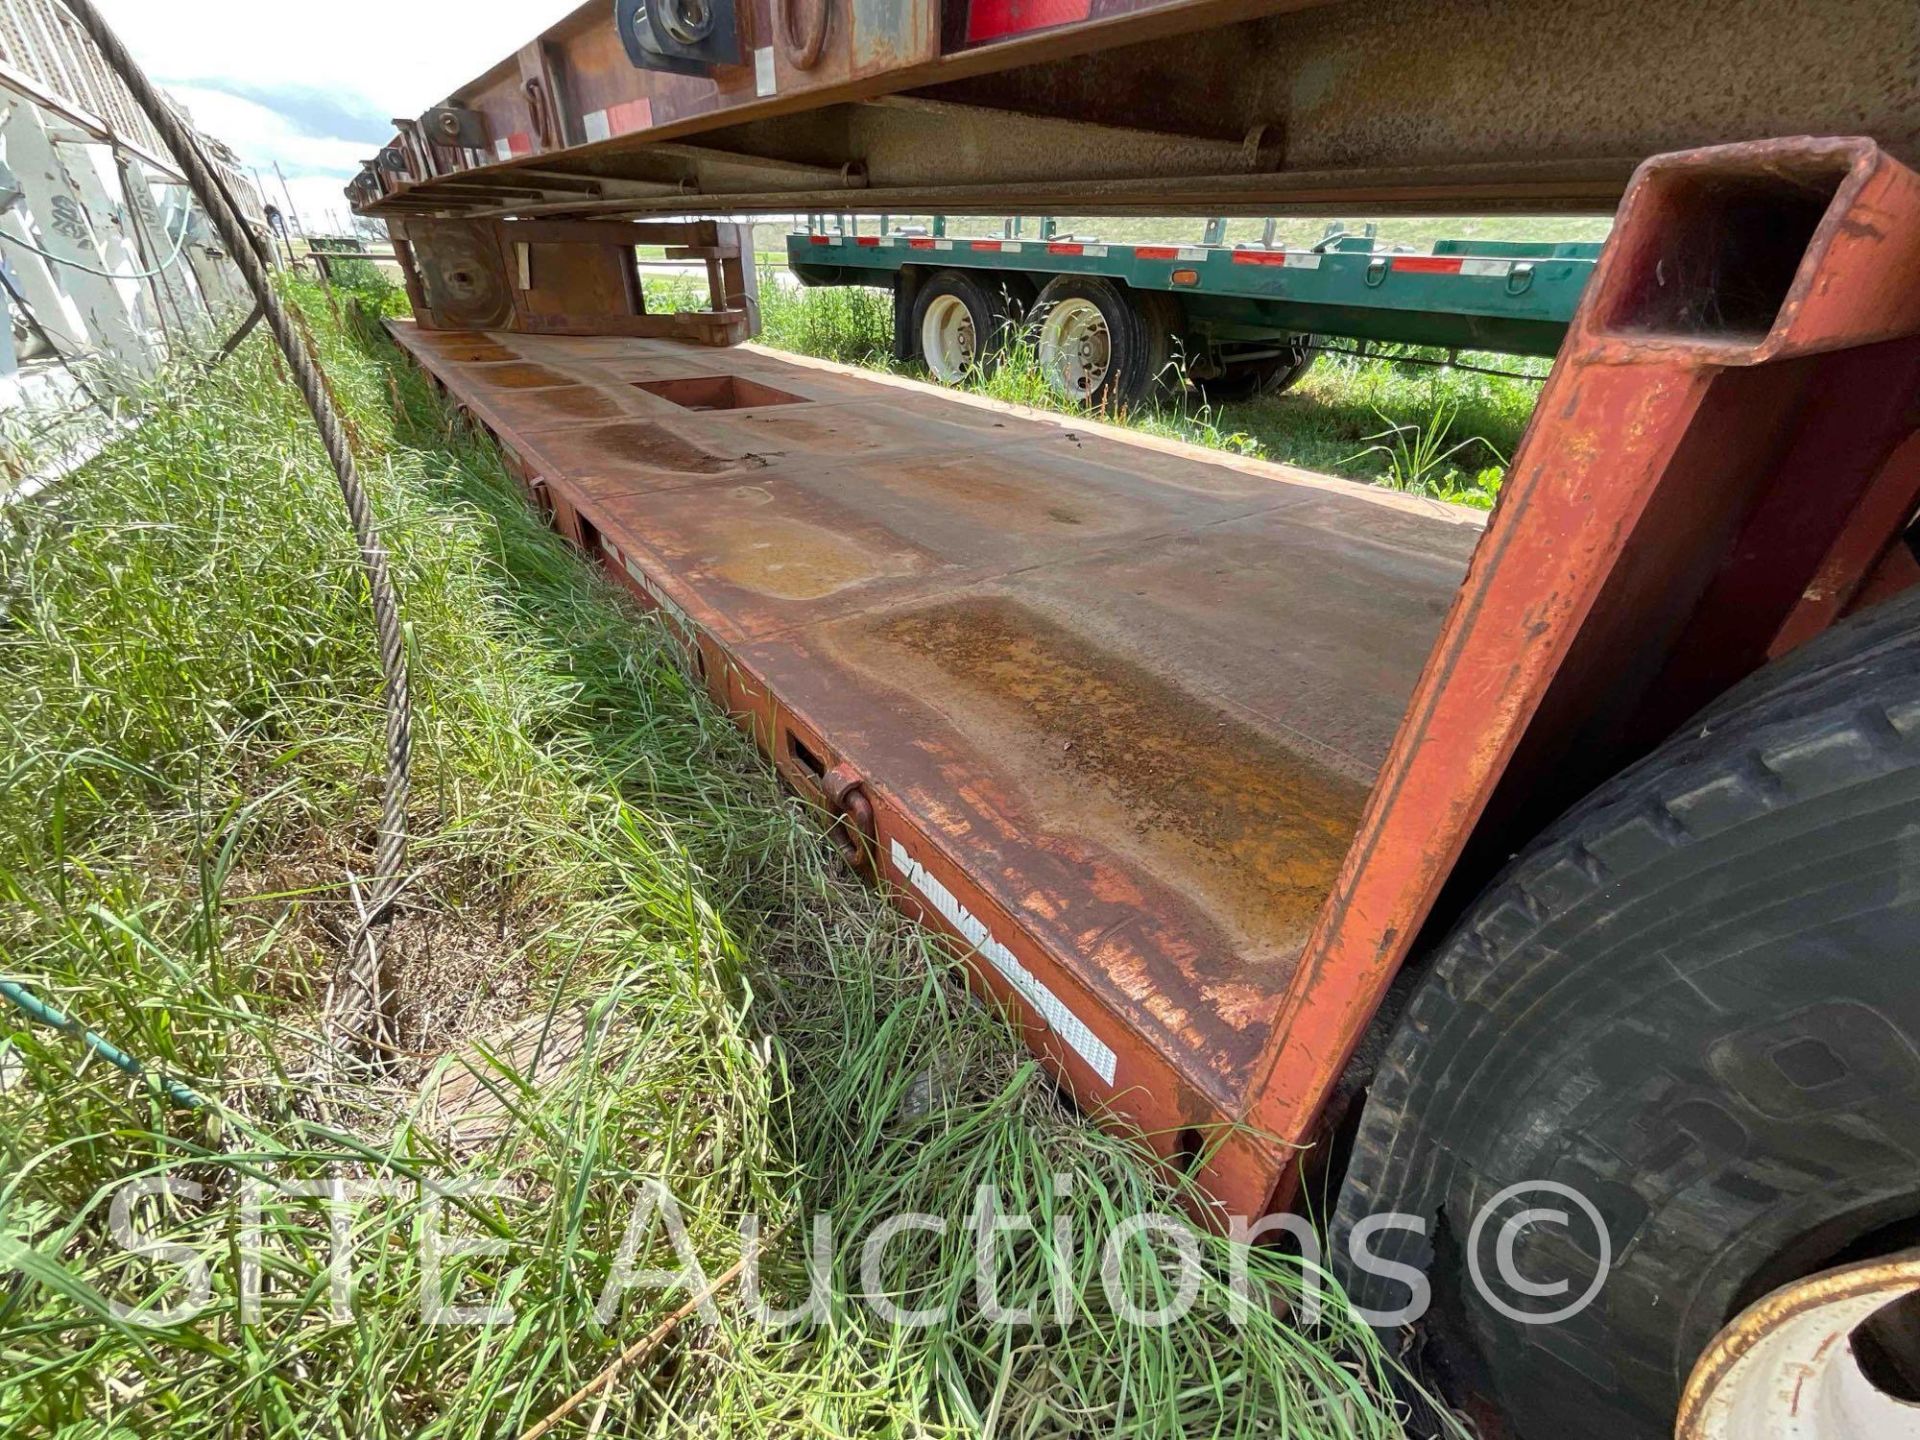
1202	798
1149	720
1732	402
1048	653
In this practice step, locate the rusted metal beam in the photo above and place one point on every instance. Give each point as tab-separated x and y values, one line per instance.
1195	920
1577	187
1739	378
1011	652
1475	102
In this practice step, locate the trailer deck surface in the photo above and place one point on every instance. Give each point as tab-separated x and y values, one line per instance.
1117	703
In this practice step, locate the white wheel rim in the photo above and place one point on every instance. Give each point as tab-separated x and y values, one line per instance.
947	340
1785	1368
1076	349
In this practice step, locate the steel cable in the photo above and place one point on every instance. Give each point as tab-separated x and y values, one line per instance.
368	1020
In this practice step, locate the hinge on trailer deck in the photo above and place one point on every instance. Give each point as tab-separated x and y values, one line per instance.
457	126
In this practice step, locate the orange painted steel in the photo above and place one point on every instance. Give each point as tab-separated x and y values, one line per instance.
1722	459
1031	663
1177	744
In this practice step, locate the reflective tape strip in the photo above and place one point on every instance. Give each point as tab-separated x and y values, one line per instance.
1030	987
1486	267
995	19
639	577
594	122
1154	252
1427	264
1290	259
765	82
630	115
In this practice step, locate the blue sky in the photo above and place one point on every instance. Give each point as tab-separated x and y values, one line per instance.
316	90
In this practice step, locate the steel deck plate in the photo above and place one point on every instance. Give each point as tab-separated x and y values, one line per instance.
1117	702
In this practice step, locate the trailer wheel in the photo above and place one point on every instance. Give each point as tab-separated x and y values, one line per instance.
1694	1002
1257	379
961	324
1101	344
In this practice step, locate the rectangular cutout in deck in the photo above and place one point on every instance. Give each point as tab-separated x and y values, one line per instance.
718	392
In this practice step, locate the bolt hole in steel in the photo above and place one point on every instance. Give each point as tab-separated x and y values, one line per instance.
688	21
1076	348
1833	1357
947	340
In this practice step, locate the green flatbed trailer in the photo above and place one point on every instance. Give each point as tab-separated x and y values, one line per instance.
1109	318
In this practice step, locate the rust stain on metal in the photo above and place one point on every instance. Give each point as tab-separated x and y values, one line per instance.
520	375
1203	799
792	560
1007	502
1048	664
474	348
574	402
639	442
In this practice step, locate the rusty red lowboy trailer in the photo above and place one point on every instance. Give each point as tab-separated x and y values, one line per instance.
1305	826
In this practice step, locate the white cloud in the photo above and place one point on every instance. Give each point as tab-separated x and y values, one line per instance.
315	91
399	55
265	136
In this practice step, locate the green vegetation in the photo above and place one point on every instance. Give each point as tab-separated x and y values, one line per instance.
1420	427
623	956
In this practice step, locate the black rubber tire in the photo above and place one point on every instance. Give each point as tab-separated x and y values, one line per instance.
1258	379
1141	329
1689	1000
996	305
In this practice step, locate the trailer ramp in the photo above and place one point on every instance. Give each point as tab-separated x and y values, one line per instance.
1031	663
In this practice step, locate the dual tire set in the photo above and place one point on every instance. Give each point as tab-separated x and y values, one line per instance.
1097	343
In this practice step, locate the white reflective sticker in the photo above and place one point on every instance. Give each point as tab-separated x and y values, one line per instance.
595	124
653	591
1485	267
1067	1025
763	79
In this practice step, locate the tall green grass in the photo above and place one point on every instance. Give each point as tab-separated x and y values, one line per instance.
619	936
